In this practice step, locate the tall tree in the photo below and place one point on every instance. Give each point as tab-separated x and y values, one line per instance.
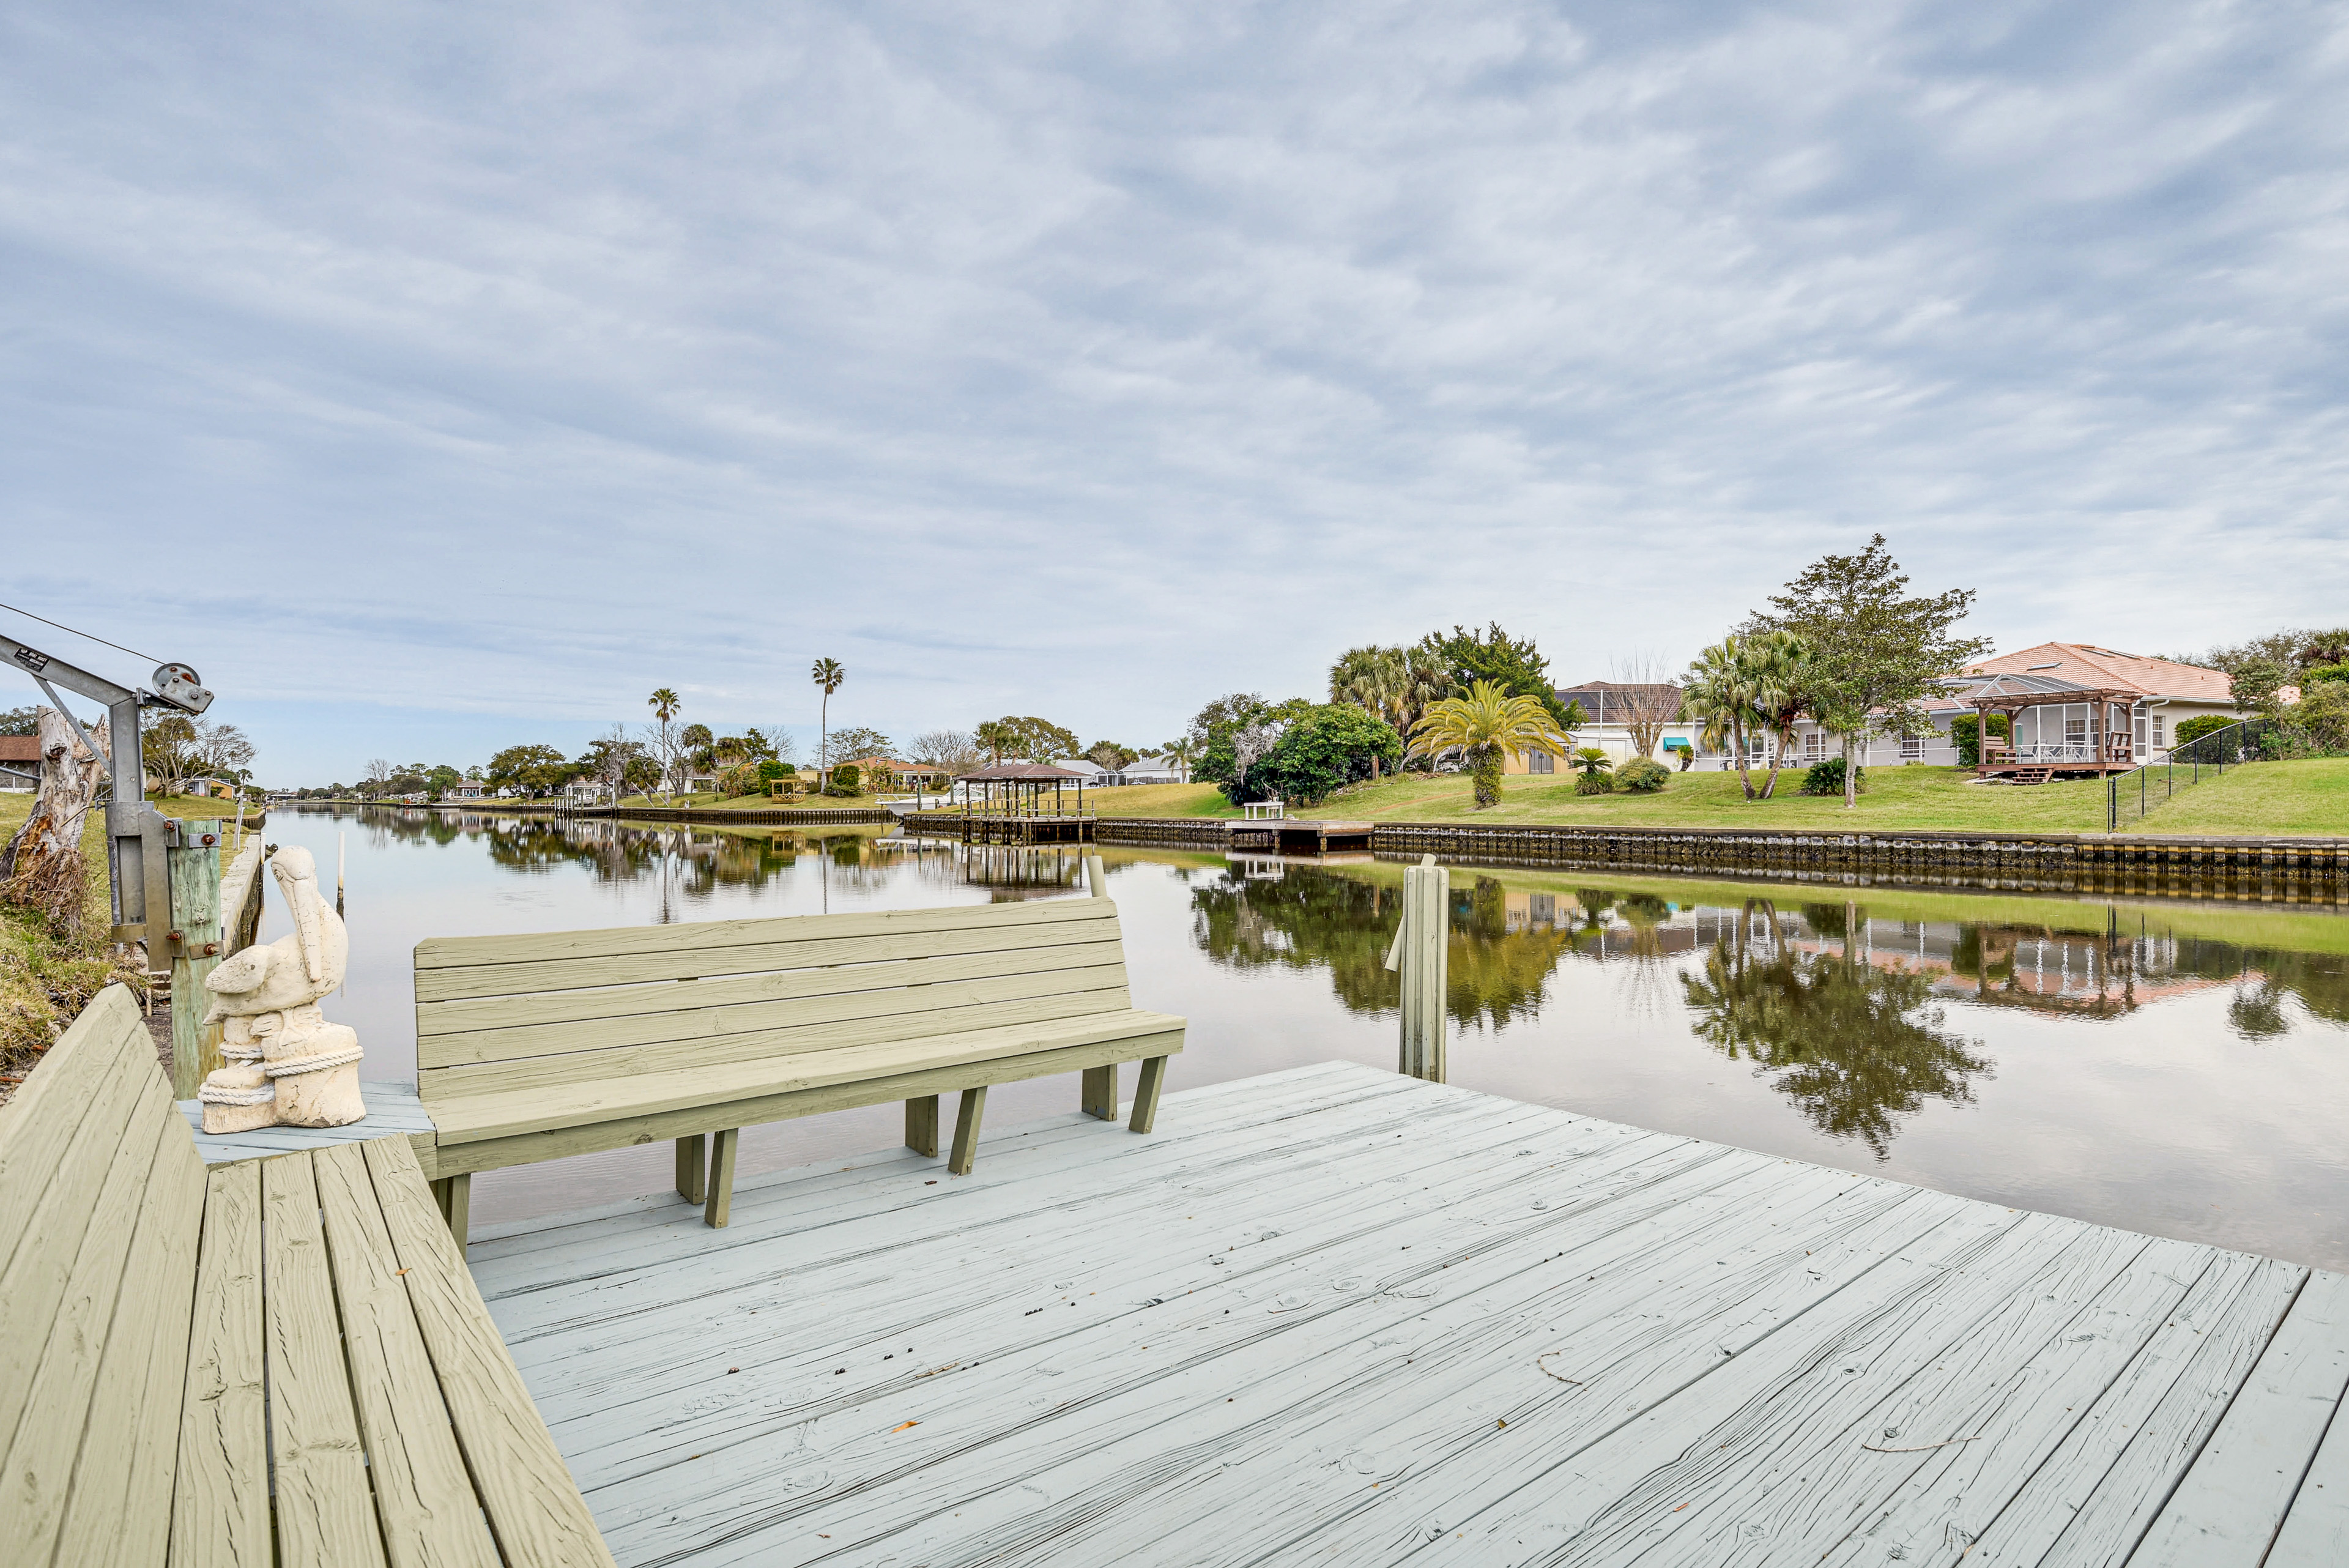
828	674
1516	667
1644	690
1718	696
1877	651
1782	694
953	750
660	735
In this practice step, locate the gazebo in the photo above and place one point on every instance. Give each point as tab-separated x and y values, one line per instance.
1018	788
2053	726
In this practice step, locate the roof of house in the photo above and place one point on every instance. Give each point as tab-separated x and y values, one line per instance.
895	767
2085	664
1603	699
20	748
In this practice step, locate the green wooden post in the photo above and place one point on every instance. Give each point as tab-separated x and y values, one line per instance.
192	853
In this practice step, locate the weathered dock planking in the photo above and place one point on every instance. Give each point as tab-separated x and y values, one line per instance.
1335	1315
390	1108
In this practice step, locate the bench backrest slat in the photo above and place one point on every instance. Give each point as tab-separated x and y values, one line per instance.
96	1169
771	988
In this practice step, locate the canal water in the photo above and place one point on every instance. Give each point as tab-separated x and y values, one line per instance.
2174	1067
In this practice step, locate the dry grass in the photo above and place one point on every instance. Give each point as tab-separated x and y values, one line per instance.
48	975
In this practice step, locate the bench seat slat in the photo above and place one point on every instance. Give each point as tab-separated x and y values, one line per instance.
324	1515
710	1036
430	1515
784	950
588	1138
454	952
220	1505
534	1509
464	1117
72	1341
119	1509
812	985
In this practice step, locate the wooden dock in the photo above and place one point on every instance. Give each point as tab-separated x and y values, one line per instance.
1297	836
1334	1315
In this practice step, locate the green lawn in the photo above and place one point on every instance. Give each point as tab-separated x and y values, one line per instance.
1896	798
2306	797
45	977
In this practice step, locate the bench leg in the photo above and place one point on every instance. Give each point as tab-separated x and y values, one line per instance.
1100	1092
966	1143
454	1194
692	1168
722	1176
1145	1093
922	1125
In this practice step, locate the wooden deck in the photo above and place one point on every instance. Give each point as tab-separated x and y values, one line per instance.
391	1108
1299	836
1338	1316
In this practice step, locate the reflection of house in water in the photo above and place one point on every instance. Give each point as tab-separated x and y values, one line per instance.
1015	871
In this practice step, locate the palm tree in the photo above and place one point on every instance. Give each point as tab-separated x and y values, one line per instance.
827	674
1486	724
665	703
1378	681
1720	696
1781	666
1182	753
1592	762
996	738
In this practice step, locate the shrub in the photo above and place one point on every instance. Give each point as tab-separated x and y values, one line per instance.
846	779
2193	729
1642	776
1595	784
1323	748
772	770
2316	672
740	779
1827	778
1966	731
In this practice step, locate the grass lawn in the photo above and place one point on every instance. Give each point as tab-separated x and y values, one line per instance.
2303	798
1895	799
47	978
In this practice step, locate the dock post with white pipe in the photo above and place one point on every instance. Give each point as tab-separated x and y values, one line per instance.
1420	953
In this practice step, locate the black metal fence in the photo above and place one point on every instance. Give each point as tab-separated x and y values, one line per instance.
2129	796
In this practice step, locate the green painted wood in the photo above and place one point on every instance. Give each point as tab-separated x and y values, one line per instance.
781	1090
119	1509
790	953
650	1043
719	1204
1145	1093
194	868
424	1500
57	1139
710	936
967	1110
70	1343
535	1512
468	1117
622	1131
1098	1095
541	1010
219	1503
318	1468
922	1125
693	1167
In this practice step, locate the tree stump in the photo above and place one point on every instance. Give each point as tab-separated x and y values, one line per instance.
42	867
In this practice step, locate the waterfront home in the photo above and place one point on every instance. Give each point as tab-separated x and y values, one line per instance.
890	772
22	754
2159	693
1156	770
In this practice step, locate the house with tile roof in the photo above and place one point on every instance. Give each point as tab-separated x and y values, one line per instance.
2160	693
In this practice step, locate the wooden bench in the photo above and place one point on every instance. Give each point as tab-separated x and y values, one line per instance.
536	1047
280	1360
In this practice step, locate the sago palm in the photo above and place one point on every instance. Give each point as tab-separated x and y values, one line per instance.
1486	724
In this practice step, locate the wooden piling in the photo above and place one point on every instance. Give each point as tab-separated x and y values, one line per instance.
1420	955
193	858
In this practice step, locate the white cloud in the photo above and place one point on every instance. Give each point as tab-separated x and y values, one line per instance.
1090	359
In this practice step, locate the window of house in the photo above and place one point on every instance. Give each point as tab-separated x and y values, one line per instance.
1913	751
2075	731
2160	723
1815	746
1541	763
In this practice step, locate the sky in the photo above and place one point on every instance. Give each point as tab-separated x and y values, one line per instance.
434	378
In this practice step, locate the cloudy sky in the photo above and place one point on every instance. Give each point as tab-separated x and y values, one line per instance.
435	378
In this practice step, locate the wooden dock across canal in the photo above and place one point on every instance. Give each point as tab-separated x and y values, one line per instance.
1299	836
1334	1315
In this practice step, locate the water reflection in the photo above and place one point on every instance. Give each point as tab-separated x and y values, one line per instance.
1842	1008
1854	1044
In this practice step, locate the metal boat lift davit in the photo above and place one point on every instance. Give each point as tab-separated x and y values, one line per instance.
137	872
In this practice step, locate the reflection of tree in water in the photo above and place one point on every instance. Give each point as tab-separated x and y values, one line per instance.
1314	919
1855	1046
